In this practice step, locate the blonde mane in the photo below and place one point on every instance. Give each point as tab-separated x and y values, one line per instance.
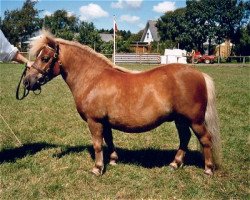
41	41
46	38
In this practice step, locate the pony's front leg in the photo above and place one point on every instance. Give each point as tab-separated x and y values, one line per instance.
96	130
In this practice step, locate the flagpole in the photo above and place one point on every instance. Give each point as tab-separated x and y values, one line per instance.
114	39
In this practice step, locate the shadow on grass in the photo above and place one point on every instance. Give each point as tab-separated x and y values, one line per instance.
11	155
151	158
148	158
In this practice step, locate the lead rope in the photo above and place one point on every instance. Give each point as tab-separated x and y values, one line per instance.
19	142
25	91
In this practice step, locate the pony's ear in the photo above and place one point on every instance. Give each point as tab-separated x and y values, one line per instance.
52	44
50	39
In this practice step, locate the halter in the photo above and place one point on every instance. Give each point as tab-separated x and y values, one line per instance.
52	68
25	91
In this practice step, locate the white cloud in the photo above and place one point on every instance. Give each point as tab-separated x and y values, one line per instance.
164	7
92	11
47	13
141	26
70	14
126	3
118	4
129	18
134	3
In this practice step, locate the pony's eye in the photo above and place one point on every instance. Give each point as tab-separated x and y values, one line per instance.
45	59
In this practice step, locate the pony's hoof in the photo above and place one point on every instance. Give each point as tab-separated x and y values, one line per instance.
173	166
112	162
208	172
97	172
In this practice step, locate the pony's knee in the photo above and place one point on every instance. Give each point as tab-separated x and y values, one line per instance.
206	140
200	131
97	147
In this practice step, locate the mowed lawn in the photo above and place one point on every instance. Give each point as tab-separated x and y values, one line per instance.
57	155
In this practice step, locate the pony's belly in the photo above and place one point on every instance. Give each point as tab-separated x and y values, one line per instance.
139	123
136	128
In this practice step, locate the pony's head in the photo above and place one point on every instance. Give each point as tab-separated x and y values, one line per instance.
46	65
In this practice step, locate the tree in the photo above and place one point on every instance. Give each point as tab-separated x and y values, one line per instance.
17	24
110	31
246	18
136	37
173	26
201	21
123	46
242	41
61	24
228	17
89	35
159	47
124	34
107	48
212	19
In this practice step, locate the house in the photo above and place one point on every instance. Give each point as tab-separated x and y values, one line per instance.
140	47
106	37
150	33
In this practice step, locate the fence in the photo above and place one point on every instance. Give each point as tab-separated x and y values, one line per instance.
234	59
138	58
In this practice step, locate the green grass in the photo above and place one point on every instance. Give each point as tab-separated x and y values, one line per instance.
57	156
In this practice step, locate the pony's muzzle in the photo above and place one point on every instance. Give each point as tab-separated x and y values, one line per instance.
26	83
30	83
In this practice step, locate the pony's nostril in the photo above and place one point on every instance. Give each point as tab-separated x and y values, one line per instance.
26	83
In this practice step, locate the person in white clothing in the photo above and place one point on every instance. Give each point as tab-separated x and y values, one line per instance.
10	53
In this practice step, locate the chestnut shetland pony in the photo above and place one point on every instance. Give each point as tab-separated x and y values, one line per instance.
109	97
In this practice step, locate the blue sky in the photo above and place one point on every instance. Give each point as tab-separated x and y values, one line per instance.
130	14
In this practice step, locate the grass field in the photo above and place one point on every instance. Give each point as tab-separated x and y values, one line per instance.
57	156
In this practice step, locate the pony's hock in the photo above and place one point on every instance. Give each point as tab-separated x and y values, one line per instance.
108	97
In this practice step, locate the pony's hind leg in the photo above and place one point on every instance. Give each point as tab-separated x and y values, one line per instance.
205	139
184	136
108	137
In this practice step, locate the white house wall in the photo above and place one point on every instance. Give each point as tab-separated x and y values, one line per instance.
148	37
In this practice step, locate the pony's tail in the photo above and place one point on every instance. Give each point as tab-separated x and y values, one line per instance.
212	121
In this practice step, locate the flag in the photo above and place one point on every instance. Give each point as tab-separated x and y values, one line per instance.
115	26
115	30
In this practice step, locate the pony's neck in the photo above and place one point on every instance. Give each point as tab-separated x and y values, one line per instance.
80	66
